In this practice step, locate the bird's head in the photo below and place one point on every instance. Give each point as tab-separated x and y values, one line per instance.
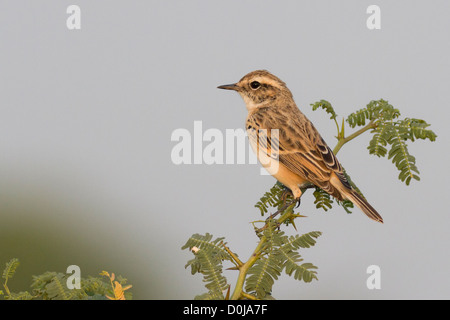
258	88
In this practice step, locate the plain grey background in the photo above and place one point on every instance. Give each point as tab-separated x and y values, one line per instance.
86	117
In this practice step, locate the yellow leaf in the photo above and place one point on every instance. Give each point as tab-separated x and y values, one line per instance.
127	287
116	286
118	291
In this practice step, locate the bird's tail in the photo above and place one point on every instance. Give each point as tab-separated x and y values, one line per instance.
357	199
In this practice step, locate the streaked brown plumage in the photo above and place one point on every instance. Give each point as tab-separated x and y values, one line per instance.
303	156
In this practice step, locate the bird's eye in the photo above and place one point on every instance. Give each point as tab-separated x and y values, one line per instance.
255	85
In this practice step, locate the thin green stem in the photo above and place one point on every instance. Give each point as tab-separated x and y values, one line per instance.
8	294
337	125
248	296
344	140
235	258
243	269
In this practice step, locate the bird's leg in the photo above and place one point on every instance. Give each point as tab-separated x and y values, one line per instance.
285	194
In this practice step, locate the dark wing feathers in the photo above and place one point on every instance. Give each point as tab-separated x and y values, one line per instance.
301	148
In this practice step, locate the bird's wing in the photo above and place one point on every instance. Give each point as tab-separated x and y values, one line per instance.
301	148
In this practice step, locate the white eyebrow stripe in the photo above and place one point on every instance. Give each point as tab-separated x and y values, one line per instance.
267	80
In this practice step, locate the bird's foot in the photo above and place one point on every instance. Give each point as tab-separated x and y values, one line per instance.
299	200
287	193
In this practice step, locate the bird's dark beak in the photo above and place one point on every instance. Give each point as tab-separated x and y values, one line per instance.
233	86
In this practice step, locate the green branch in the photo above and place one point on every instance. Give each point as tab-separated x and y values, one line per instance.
243	269
344	140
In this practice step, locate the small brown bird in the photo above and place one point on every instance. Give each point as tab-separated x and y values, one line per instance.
302	155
